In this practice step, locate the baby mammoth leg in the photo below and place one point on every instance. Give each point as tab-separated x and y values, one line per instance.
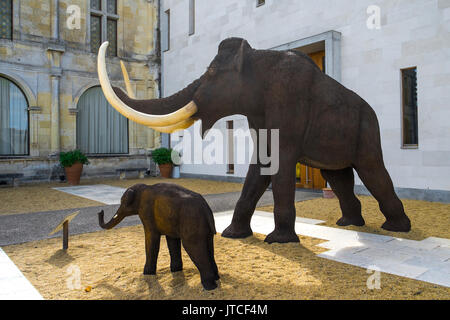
211	255
176	263
198	251
152	241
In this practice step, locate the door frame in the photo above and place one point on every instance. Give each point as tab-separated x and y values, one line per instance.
329	41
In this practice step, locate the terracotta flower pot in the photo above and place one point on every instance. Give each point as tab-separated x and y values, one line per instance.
166	170
328	193
73	173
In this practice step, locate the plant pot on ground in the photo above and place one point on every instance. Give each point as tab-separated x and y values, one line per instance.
73	162
328	193
163	157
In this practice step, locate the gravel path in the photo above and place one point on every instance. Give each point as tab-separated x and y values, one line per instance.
20	228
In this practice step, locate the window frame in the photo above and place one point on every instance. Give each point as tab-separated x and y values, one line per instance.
10	156
104	17
402	111
191	30
12	23
230	147
167	40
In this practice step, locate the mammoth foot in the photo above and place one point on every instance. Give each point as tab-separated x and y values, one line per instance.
397	225
281	237
235	231
209	285
347	221
149	271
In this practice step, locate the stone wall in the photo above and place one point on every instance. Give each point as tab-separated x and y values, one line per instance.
37	61
412	33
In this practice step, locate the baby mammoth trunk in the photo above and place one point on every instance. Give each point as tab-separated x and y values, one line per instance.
112	223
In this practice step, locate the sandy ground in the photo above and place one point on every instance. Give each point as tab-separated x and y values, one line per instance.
111	262
249	269
41	197
428	219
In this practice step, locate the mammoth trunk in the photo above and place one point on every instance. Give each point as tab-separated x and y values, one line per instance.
112	223
163	105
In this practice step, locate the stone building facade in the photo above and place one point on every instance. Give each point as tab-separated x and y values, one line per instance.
48	52
371	46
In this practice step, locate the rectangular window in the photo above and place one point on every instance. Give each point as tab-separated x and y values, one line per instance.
96	33
165	31
112	37
112	6
96	5
104	25
260	2
410	134
191	17
6	19
230	153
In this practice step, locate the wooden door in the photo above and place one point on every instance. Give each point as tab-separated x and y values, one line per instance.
308	177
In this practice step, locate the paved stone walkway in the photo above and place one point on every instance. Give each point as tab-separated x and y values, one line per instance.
427	260
218	202
13	284
19	228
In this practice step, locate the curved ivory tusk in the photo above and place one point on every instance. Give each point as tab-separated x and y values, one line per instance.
139	117
126	78
168	129
175	127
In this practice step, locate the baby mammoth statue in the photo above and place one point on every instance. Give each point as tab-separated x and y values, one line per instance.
183	216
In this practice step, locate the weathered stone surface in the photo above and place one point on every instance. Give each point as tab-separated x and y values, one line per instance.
33	56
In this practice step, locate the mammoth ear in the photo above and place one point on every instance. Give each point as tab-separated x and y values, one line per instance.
128	197
239	60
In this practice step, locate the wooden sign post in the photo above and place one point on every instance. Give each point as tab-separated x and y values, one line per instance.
64	224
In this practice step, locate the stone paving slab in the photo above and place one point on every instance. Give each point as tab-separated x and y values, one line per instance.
427	260
100	192
13	284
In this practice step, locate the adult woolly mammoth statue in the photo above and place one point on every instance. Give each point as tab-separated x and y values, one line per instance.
321	124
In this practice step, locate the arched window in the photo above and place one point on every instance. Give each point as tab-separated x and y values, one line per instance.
13	120
100	128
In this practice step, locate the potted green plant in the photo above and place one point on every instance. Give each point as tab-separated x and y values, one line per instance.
163	157
73	162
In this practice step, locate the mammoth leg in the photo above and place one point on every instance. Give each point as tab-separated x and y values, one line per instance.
378	182
283	188
176	263
152	241
254	186
198	251
342	182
